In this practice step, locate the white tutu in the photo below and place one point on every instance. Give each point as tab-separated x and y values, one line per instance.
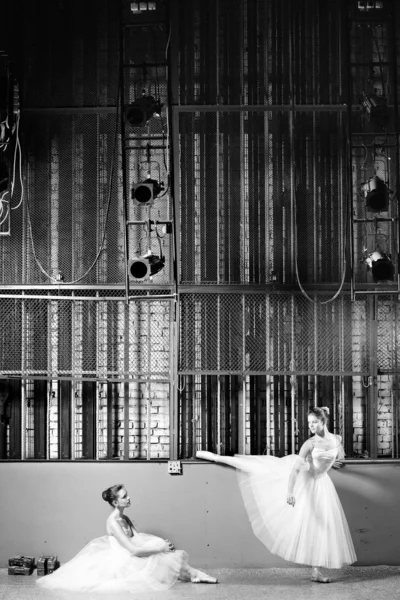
104	566
313	532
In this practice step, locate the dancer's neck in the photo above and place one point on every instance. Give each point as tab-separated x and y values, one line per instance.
323	434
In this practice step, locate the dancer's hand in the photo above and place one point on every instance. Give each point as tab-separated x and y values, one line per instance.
170	546
291	500
337	464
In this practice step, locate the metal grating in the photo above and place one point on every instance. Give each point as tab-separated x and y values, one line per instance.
239	52
388	335
104	339
74	60
272	333
255	199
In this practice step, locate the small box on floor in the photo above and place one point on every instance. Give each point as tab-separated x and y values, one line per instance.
21	561
20	570
21	565
47	564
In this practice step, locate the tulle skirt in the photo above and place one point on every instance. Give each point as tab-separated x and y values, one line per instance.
313	532
104	566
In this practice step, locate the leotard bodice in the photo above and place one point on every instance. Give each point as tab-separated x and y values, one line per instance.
321	460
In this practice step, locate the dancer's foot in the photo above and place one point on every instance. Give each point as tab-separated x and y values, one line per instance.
203	578
319	578
206	455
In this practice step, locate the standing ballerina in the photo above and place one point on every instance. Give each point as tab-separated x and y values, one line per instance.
292	503
124	560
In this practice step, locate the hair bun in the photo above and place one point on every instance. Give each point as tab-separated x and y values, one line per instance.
105	495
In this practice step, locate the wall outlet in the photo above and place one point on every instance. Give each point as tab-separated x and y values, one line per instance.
174	467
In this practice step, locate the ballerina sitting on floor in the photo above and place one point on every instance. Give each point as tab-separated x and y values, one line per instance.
292	503
125	560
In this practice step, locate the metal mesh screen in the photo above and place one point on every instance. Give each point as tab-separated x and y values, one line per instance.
73	62
82	338
278	333
388	335
255	200
373	137
239	52
67	209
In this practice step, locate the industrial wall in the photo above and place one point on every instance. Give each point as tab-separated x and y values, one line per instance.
57	508
265	305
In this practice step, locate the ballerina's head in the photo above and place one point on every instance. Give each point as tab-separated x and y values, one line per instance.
117	496
318	419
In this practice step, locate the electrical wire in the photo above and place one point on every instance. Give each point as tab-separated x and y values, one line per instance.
293	195
165	134
53	279
159	238
157	234
17	147
2	202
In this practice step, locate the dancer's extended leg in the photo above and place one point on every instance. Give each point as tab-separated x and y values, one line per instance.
238	462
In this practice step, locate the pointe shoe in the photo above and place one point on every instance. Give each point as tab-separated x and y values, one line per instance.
199	580
320	578
206	455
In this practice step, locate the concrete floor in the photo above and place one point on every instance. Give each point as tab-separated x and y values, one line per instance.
350	583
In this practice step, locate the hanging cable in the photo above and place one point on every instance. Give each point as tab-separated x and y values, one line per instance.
17	148
165	133
53	279
293	191
4	208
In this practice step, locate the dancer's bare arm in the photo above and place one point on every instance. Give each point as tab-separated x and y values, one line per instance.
135	548
338	462
304	452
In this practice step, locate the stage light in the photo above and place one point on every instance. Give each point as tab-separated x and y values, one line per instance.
138	113
139	7
376	194
381	266
365	5
376	108
143	267
143	194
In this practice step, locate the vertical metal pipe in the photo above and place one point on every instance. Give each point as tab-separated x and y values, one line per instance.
292	380
172	74
392	413
373	388
242	394
394	91
174	407
315	353
121	99
268	366
23	382
268	408
292	124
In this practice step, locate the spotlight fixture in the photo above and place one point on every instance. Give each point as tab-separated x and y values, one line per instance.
376	108
365	5
143	267
143	194
139	7
376	194
138	113
381	266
